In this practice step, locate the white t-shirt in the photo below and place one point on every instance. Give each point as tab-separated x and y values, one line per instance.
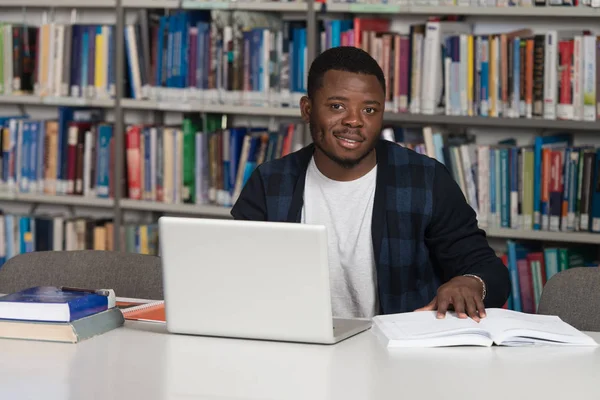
345	208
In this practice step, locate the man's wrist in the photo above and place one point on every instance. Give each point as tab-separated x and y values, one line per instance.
484	289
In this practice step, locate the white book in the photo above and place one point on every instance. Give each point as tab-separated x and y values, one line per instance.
87	163
415	79
59	55
550	74
577	108
428	140
501	327
463	74
589	78
49	89
58	227
483	184
467	165
153	155
131	48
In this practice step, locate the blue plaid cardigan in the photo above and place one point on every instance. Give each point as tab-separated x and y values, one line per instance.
423	230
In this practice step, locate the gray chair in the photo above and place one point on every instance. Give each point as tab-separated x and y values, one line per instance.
574	296
130	275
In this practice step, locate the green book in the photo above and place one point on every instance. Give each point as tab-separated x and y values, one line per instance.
190	126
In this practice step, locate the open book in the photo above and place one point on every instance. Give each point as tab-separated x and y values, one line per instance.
500	326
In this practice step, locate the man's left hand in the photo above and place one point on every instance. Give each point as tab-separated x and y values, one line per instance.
464	294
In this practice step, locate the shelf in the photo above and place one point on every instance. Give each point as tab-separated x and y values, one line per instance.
567	237
560	12
210	108
64	200
55	101
187	209
59	3
294	112
531	123
275	6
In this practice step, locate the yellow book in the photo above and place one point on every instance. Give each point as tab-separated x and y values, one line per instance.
99	238
470	80
99	81
144	240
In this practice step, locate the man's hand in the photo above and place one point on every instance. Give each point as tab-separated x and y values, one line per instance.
464	294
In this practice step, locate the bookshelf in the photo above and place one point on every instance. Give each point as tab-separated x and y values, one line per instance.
312	13
477	11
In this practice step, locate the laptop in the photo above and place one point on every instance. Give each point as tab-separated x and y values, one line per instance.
249	279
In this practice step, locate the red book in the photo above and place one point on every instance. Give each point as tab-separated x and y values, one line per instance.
368	24
75	134
134	173
565	53
526	286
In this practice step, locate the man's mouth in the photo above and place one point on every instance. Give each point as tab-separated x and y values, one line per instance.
348	141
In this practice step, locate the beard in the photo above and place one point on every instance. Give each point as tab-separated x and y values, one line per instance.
318	137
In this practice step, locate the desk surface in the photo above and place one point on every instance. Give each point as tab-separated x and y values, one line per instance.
142	361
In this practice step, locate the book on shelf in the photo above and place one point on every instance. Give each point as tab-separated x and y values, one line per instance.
500	327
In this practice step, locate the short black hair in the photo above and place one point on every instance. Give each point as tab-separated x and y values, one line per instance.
343	58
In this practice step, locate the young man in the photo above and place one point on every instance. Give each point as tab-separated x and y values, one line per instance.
401	235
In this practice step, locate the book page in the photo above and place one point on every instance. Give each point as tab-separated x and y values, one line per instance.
425	324
508	325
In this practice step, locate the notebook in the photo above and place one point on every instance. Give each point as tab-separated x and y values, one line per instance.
500	327
149	312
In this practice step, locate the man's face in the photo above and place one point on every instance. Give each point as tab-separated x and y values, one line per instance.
345	116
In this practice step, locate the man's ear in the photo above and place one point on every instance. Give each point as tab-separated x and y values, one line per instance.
305	108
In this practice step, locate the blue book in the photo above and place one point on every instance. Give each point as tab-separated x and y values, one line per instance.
540	142
53	304
515	251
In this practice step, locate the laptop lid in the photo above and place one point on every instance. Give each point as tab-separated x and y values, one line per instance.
262	280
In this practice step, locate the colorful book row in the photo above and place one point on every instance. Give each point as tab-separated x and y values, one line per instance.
200	162
442	67
531	266
26	233
70	155
549	185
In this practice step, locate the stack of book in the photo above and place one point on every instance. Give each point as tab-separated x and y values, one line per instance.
58	314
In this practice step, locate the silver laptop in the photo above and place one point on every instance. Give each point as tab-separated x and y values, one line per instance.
253	280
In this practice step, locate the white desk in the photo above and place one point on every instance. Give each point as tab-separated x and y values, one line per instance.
141	361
